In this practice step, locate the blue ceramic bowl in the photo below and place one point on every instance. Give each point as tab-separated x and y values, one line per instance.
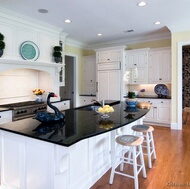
131	103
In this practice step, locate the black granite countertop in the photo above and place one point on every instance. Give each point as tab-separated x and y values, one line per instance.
151	97
79	124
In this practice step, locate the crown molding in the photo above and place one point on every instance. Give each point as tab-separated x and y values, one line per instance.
20	20
133	40
75	43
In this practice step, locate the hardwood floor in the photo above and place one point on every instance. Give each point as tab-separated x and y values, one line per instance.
171	169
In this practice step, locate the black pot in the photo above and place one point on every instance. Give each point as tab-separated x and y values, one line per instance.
57	59
1	52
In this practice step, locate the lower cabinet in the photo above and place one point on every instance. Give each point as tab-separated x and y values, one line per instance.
61	105
160	111
5	116
85	100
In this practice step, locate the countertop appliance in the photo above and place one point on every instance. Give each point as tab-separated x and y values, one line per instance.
22	110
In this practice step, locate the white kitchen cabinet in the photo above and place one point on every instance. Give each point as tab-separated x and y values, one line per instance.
109	56
137	60
160	111
109	85
5	116
89	75
160	65
85	100
61	105
109	69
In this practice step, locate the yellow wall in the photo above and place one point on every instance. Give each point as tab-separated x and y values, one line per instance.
176	37
150	44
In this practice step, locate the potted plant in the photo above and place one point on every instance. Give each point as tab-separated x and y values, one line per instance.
57	54
131	101
2	44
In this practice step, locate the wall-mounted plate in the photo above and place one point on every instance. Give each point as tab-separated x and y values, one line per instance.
29	51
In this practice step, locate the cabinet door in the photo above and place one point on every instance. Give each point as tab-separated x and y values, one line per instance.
109	56
89	67
163	114
142	76
103	56
103	80
160	66
109	85
114	85
150	116
136	59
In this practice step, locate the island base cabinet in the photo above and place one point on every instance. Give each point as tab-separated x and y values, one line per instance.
28	163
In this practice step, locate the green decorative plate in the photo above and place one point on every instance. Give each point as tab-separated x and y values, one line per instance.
29	51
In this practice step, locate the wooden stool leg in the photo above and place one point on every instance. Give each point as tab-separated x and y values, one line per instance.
135	168
152	143
148	150
142	161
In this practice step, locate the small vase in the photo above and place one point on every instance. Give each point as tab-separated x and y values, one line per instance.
38	98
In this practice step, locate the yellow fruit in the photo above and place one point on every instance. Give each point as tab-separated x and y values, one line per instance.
100	109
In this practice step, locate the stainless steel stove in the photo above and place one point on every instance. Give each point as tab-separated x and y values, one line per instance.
22	110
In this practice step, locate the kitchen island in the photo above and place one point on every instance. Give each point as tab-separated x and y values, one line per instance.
65	155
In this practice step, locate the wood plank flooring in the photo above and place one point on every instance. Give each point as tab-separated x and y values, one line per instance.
170	170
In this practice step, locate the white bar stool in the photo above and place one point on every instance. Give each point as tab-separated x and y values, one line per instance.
147	133
131	144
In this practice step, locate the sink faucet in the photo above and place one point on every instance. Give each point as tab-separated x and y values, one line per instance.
101	103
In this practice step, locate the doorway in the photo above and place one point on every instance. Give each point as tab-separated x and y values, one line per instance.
186	76
68	91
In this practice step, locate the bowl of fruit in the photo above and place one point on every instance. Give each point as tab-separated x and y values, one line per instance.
105	111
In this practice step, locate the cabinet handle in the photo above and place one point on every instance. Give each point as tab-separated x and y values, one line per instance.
96	86
160	78
108	59
91	80
155	107
0	116
162	102
135	64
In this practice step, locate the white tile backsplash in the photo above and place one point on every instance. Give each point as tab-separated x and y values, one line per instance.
17	85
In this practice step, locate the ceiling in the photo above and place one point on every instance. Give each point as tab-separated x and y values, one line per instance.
112	18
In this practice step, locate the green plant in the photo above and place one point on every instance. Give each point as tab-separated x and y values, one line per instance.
57	54
2	43
131	95
57	48
57	51
1	37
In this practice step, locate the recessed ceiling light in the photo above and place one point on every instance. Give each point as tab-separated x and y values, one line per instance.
43	10
99	34
141	4
157	23
67	21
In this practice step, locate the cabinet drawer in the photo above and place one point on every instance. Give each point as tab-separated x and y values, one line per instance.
5	117
63	105
109	66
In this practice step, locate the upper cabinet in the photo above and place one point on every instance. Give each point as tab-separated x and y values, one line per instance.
160	65
89	74
109	72
136	62
109	55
